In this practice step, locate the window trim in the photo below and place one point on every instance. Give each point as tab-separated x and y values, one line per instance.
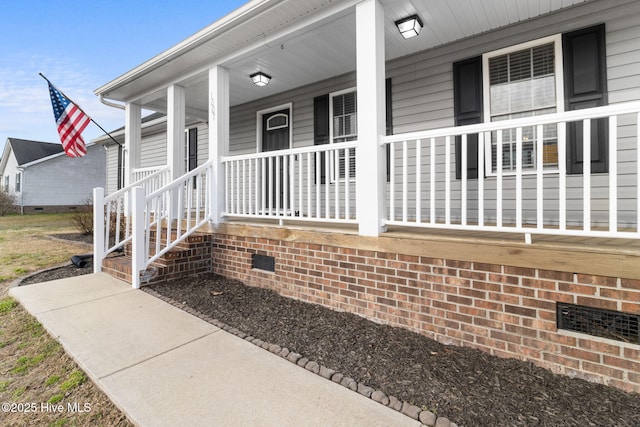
18	183
333	168
556	39
261	113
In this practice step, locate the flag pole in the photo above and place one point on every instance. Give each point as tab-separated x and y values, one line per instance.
80	108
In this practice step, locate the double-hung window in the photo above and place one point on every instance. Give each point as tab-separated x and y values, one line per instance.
344	127
6	183
523	81
18	176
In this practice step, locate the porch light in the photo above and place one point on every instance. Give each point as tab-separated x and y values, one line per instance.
260	78
409	27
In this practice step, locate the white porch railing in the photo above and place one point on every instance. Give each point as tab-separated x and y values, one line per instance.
314	183
529	198
151	178
112	227
172	213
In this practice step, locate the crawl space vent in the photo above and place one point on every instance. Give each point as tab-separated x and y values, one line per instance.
263	262
598	322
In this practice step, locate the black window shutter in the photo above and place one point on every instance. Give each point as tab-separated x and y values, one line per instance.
193	149
467	106
585	82
120	167
389	122
321	128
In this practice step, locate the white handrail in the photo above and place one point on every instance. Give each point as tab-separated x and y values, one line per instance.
553	118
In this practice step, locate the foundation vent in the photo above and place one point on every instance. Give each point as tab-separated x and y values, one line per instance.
263	262
598	322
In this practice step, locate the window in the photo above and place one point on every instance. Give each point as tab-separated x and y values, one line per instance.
6	184
18	175
277	121
344	127
523	81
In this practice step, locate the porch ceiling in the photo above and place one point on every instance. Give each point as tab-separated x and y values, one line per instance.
300	42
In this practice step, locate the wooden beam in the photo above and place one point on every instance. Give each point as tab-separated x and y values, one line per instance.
583	256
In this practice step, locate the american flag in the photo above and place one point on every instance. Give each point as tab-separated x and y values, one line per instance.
71	121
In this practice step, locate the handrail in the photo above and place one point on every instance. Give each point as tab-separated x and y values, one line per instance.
553	118
123	190
290	151
180	180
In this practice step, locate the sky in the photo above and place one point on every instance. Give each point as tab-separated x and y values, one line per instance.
80	46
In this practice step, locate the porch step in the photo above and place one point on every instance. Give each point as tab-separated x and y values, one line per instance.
191	256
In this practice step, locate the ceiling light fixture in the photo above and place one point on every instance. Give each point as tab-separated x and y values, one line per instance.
260	78
410	26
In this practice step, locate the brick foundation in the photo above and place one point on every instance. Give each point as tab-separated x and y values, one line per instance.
505	311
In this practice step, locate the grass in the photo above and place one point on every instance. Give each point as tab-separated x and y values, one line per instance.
25	246
34	366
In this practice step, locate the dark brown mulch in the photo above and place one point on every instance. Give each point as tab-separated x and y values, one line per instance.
469	387
63	272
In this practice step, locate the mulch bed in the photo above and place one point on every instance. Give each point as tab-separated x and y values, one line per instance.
465	385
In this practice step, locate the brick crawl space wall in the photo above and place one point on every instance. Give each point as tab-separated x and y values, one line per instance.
502	310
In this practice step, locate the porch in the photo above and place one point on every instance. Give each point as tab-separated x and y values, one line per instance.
320	187
414	185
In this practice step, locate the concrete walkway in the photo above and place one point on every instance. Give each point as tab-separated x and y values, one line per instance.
165	367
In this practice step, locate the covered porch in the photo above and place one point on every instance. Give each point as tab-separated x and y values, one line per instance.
474	183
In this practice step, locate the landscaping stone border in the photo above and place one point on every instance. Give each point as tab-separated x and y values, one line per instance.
426	418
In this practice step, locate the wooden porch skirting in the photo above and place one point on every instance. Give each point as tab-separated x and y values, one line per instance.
495	294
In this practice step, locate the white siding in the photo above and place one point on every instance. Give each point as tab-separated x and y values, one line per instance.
10	171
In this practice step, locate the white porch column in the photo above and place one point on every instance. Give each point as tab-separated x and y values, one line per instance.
175	130
370	75
132	140
218	137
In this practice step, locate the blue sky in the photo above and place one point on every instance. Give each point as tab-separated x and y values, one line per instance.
79	46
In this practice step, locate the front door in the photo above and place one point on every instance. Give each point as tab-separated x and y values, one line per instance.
275	136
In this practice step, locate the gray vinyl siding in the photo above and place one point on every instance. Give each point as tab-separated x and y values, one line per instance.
203	144
243	133
153	150
63	180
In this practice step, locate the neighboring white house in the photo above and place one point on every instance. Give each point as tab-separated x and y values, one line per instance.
43	178
478	183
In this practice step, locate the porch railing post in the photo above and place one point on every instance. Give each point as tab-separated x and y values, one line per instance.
138	251
370	76
98	228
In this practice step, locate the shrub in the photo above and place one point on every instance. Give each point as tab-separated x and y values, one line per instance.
82	218
7	202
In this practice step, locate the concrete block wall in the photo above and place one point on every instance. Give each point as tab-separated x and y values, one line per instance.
503	310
